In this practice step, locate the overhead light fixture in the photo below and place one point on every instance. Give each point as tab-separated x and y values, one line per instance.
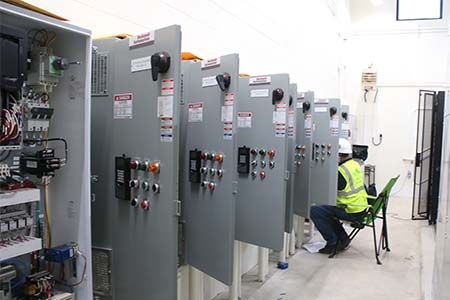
377	2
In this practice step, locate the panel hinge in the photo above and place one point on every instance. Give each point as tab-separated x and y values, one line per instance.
177	208
286	175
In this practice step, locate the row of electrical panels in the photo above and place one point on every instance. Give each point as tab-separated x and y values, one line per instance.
188	157
45	240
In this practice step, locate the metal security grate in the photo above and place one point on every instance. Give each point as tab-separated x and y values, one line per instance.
99	81
101	269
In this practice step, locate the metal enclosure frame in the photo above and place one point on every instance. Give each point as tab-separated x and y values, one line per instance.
144	133
261	203
303	153
291	165
70	189
208	183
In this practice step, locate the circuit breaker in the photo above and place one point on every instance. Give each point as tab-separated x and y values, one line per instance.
324	156
135	142
291	166
208	170
345	123
303	153
44	171
262	127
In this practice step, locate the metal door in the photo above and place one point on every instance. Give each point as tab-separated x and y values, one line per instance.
261	202
208	169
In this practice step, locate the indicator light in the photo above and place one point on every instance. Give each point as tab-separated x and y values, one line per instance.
254	163
154	168
271	153
203	170
211	186
254	173
145	205
323	146
317	145
218	157
145	186
212	171
143	166
134	202
329	146
271	164
203	155
134	164
298	163
254	151
262	152
263	164
210	156
204	184
329	153
262	175
323	158
220	173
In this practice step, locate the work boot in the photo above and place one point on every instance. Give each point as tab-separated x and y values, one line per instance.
343	244
328	249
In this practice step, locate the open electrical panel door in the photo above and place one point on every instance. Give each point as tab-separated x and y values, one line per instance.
208	169
44	155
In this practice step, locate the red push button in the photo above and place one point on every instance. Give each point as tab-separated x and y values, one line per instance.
262	175
145	205
254	151
211	186
134	164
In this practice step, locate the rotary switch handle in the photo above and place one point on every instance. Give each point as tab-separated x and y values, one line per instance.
277	95
160	62
224	81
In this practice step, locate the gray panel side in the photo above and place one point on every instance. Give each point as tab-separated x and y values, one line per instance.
291	166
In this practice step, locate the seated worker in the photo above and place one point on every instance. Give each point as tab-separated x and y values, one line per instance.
351	202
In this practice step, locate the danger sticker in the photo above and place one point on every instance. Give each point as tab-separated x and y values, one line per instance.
142	39
244	119
228	99
123	106
210	63
195	112
260	80
167	87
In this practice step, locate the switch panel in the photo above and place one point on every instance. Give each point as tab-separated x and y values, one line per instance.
261	203
195	166
123	177
244	160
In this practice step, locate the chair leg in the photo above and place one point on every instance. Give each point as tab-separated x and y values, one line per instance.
385	231
375	242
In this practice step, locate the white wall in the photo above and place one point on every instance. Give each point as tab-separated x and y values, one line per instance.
409	56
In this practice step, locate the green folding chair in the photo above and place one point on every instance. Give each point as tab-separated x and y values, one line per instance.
378	204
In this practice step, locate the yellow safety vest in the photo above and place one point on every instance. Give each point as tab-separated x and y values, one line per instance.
353	197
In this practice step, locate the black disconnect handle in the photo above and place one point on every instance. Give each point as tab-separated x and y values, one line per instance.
160	64
277	95
224	81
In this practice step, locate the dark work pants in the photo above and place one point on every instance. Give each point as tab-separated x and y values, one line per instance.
326	219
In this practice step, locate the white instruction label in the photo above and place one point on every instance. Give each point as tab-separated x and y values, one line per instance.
123	106
334	125
280	130
299	104
228	99
281	106
227	113
244	119
279	117
166	130
141	39
209	63
209	81
259	93
141	64
195	112
308	125
291	123
324	101
167	87
165	107
320	109
228	131
259	80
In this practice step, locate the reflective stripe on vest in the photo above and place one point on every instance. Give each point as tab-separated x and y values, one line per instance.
350	183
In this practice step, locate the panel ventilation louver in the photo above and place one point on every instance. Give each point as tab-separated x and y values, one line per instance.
99	81
101	270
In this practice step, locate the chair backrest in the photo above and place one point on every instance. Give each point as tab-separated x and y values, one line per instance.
381	200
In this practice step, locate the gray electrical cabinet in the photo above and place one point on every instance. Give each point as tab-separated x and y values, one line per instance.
291	167
345	122
262	162
325	146
303	153
135	118
208	178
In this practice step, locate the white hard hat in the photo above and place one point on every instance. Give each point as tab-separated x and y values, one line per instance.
344	146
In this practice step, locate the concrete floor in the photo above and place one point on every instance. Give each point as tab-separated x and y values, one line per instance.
354	274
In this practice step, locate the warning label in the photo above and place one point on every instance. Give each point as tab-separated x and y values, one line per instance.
141	39
195	112
123	106
167	87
